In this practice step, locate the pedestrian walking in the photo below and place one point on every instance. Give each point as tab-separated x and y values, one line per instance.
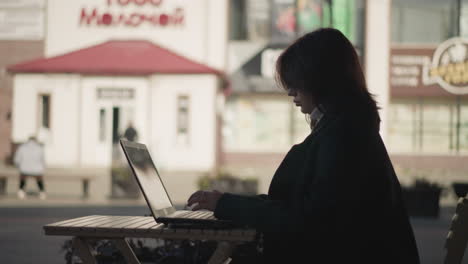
30	160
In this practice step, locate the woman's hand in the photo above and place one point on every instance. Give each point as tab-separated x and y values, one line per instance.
204	199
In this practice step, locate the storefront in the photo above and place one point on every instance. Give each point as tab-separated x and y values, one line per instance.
84	100
428	78
157	64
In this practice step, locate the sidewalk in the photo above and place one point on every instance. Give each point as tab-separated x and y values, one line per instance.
32	200
180	185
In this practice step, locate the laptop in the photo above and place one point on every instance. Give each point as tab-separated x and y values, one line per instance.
157	197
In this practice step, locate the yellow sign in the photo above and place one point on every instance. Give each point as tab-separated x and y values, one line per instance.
449	66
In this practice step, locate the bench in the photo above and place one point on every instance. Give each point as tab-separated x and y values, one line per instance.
50	175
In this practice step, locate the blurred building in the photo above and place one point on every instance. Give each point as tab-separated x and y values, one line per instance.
156	63
412	64
80	96
428	77
260	121
22	34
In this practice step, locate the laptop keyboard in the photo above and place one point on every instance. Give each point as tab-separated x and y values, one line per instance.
194	215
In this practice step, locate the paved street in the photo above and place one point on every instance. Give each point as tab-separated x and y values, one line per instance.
23	242
22	239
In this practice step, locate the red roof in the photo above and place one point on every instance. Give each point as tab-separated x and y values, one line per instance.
129	57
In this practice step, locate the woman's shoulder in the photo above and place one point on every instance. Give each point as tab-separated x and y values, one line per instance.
348	127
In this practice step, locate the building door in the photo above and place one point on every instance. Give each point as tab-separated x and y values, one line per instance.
123	182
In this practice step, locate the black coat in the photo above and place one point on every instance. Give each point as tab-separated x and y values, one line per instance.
335	198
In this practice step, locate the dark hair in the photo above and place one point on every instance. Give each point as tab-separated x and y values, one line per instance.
325	64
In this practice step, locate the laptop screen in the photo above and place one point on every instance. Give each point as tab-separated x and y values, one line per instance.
147	176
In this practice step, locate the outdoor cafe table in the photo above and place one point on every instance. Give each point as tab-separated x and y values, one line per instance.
118	228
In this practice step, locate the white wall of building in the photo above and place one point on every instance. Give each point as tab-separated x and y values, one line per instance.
202	36
62	138
74	137
217	33
377	55
171	153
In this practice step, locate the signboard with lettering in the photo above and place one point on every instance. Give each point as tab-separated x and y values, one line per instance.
449	66
115	93
21	3
21	19
120	16
430	71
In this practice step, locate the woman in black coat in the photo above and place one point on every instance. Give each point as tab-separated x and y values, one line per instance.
335	197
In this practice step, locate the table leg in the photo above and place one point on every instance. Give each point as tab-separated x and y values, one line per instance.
84	250
126	251
222	253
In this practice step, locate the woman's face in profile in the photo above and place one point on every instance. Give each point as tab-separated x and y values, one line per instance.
302	100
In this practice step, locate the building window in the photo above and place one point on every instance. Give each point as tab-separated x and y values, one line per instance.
102	125
44	111
258	19
415	21
436	128
464	18
404	127
237	20
460	127
183	119
429	126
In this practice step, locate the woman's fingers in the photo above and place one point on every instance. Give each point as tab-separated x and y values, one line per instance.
204	200
198	207
196	197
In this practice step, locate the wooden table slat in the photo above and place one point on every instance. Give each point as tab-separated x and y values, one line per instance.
161	229
92	224
109	222
119	227
69	221
74	224
146	227
140	222
88	221
128	221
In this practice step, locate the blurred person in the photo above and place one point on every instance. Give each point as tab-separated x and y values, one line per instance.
29	158
130	133
335	198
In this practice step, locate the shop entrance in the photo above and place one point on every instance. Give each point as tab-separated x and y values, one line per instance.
123	182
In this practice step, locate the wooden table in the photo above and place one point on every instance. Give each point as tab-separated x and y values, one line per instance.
118	228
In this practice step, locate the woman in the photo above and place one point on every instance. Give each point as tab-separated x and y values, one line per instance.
335	197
